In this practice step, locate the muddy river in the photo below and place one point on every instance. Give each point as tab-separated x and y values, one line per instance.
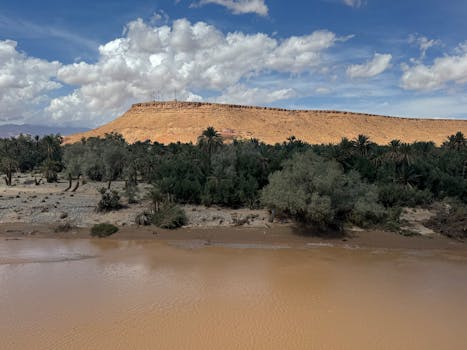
91	294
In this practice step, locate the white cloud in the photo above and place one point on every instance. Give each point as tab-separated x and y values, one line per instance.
444	70
254	96
423	43
353	3
182	59
323	90
160	16
371	68
240	6
24	83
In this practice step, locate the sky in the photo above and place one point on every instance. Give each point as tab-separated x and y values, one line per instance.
83	63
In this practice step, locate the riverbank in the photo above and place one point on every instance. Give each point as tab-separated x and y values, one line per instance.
276	236
50	204
48	211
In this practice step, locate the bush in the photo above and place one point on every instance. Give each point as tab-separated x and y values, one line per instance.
451	219
393	222
318	192
367	212
103	230
169	217
131	192
394	195
143	219
110	200
95	172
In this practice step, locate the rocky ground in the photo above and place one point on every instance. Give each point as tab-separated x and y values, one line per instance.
24	202
414	221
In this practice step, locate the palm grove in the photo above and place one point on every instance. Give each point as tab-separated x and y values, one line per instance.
325	186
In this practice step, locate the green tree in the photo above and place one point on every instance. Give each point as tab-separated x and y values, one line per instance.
316	191
456	142
362	145
209	141
52	163
9	154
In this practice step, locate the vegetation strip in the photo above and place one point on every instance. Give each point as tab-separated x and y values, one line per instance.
325	186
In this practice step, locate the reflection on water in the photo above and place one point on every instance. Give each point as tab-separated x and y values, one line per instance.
120	295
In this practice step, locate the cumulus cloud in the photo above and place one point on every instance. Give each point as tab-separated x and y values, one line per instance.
239	6
182	59
24	83
371	68
444	70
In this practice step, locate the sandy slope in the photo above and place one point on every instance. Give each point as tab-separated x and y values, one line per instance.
167	122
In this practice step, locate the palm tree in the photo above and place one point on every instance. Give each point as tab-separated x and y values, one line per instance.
362	145
9	154
423	147
51	164
456	142
291	139
394	151
401	154
52	145
209	141
405	155
343	152
8	165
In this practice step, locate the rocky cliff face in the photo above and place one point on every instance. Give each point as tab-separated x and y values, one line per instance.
174	121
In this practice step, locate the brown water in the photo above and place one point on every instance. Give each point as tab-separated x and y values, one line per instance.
129	295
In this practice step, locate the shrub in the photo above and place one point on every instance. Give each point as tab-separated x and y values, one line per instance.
451	219
143	219
131	191
103	230
393	222
318	192
169	217
367	211
393	195
95	172
110	200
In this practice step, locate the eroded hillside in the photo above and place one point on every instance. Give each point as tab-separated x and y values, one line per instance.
174	121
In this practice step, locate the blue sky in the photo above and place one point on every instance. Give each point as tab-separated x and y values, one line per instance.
83	63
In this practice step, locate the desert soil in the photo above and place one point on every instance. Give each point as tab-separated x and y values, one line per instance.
167	122
26	203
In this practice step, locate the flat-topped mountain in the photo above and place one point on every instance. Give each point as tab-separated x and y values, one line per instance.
174	121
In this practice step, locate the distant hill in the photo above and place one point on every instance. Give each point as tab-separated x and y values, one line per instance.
174	121
12	130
